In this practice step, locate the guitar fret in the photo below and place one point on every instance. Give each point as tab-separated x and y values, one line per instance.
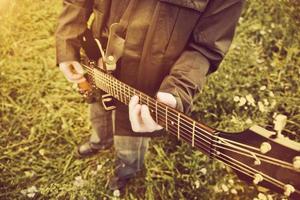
156	117
178	127
193	134
166	118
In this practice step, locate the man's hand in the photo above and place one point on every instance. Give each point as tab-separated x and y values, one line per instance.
139	115
73	71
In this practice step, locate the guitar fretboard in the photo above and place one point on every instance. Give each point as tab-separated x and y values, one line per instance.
174	122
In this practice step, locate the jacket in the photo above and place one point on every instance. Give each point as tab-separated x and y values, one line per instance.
185	41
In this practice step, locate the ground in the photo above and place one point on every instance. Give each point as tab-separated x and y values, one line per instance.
43	119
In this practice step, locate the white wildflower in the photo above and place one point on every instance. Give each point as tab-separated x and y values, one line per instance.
263	87
236	98
233	191
32	189
78	182
273	103
29	174
249	121
272	25
231	182
197	184
224	188
261	107
266	102
42	152
217	189
99	167
203	171
263	32
31	195
116	193
279	122
250	100
242	101
24	192
93	172
262	196
271	94
270	197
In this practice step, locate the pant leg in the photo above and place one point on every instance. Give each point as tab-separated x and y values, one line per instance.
130	154
101	121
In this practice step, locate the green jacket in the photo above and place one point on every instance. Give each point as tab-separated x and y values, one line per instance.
185	40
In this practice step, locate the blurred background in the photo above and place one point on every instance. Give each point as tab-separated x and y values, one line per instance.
43	119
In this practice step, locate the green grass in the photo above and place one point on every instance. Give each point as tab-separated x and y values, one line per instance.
43	118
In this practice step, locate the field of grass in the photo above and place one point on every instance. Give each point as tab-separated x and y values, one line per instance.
43	119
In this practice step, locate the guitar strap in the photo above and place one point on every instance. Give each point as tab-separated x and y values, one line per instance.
117	33
115	48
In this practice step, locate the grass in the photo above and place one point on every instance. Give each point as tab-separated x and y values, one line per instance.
43	118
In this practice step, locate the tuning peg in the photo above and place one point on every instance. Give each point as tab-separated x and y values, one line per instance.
296	162
288	190
265	147
257	178
279	124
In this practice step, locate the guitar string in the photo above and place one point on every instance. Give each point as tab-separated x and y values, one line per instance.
230	158
210	138
251	154
284	163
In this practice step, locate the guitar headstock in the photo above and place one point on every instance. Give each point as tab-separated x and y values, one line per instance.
259	157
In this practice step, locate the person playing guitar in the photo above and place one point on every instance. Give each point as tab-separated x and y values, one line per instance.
163	48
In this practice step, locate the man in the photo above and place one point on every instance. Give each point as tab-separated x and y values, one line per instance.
170	47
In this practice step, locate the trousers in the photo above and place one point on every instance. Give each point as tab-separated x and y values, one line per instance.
130	150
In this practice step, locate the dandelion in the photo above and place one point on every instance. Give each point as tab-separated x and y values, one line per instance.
116	193
250	100
203	171
236	98
197	184
263	87
242	101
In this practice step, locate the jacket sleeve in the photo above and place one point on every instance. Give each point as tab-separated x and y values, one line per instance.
72	23
208	44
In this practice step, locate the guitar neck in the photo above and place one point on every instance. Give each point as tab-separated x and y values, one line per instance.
174	122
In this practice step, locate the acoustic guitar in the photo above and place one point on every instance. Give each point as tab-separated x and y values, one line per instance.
256	154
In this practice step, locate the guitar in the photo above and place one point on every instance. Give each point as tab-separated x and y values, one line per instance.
256	155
